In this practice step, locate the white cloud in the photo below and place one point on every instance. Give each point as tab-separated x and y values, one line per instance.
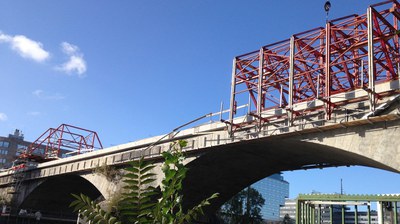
44	96
5	38
26	47
3	117
76	63
69	49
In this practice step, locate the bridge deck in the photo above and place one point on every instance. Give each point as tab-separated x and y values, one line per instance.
201	137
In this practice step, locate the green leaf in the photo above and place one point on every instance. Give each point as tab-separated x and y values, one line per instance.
182	143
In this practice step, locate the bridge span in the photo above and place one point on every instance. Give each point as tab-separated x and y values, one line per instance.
223	162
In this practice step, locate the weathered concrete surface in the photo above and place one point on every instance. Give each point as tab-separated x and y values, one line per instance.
106	186
221	164
379	142
229	168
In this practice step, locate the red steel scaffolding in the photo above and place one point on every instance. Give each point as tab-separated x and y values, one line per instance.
349	53
66	138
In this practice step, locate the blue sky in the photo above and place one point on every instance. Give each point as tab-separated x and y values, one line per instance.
135	69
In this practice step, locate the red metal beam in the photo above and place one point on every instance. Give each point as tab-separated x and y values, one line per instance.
65	138
326	61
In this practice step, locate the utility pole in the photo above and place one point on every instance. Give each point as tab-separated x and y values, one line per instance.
341	186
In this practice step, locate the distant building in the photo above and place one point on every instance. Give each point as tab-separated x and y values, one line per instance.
274	190
362	217
336	214
288	208
11	147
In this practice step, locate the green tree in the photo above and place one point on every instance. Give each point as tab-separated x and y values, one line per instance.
244	207
143	203
288	220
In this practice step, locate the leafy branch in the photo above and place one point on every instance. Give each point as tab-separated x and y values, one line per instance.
92	211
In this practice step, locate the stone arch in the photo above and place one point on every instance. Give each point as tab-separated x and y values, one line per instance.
105	186
53	195
379	142
227	169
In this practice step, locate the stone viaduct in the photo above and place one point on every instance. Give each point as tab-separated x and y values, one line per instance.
224	162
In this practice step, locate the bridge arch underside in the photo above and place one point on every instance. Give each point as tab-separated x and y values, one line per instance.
230	168
53	196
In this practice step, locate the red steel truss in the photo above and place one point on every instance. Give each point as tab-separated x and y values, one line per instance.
353	52
65	138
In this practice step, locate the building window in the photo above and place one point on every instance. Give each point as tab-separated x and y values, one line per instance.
4	144
2	160
21	147
3	152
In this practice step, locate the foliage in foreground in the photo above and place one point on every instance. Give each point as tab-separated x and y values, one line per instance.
143	203
244	207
